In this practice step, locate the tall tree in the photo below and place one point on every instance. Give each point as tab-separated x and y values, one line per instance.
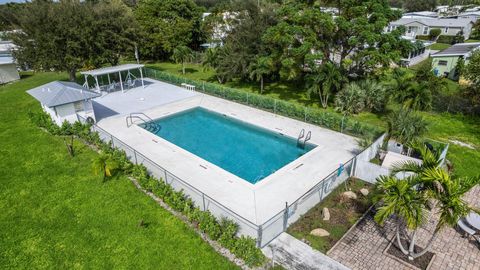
167	24
260	68
324	81
182	54
242	38
353	38
70	34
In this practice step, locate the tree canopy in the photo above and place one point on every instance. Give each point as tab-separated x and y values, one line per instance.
354	38
167	24
71	34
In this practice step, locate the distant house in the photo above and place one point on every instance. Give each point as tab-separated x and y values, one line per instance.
420	14
64	101
8	67
422	26
444	62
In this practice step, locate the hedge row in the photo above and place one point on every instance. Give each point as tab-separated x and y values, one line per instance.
311	115
224	231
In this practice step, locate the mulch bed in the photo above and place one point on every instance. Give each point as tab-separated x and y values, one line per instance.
420	263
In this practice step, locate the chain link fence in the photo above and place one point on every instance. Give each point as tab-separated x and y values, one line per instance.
310	115
278	223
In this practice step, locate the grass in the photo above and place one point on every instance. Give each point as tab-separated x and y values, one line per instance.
440	46
472	40
56	214
343	214
442	126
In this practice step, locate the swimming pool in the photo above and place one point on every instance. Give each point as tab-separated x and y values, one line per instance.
247	151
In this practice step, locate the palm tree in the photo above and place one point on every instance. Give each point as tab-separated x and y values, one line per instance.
182	54
324	81
405	126
104	164
403	199
375	95
417	96
260	68
350	100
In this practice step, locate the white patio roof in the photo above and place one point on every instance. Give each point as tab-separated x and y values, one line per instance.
110	70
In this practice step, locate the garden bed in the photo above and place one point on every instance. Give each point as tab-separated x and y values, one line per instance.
422	262
343	214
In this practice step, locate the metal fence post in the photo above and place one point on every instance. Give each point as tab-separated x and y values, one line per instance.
275	106
305	110
322	191
165	173
135	154
247	98
203	199
285	217
259	236
111	139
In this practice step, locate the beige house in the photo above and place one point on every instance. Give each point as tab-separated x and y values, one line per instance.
422	26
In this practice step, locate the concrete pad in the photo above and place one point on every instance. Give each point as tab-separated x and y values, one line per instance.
292	253
391	159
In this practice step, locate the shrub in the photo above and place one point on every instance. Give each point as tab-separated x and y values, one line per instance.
434	33
446	39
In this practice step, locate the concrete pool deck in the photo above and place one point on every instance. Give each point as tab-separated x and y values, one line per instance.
254	202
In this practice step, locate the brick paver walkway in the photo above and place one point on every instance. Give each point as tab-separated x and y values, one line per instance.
364	246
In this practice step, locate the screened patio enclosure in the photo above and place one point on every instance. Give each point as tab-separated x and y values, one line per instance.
110	79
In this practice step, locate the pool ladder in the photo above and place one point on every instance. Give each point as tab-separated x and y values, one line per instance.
149	124
301	136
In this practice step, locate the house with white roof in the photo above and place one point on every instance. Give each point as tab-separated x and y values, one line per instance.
65	101
422	26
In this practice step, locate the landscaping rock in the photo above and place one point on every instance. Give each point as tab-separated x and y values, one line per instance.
326	214
319	232
364	192
349	195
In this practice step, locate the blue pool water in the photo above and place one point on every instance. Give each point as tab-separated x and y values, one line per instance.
249	152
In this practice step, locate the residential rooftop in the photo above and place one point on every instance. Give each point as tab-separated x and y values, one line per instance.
458	49
59	93
435	22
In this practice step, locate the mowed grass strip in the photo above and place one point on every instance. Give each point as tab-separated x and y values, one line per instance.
55	213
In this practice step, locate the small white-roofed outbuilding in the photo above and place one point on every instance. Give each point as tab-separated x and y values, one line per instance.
65	101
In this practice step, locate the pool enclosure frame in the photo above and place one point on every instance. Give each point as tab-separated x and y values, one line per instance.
110	70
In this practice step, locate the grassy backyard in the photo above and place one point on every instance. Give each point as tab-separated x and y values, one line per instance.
442	126
56	214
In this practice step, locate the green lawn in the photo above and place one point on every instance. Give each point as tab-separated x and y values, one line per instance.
440	46
443	126
471	40
54	213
